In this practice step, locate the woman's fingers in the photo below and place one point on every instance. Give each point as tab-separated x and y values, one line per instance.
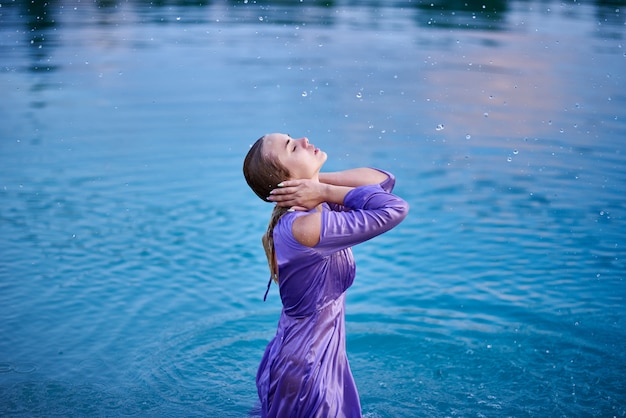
288	183
285	200
279	194
286	187
287	204
300	193
282	196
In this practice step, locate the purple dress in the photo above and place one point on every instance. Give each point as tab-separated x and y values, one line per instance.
304	371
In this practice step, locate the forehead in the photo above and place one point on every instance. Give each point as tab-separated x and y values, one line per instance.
272	143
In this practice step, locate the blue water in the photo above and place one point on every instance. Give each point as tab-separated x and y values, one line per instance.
131	271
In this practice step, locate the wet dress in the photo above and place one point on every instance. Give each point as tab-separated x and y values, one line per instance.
304	371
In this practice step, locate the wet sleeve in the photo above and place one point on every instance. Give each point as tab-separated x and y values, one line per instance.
369	211
387	185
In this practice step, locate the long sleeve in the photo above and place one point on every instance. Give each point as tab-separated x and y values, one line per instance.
388	184
368	211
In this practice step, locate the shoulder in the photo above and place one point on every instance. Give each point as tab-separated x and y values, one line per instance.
306	229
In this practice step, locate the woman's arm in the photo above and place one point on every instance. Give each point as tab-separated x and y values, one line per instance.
354	177
307	194
373	209
332	187
373	212
304	195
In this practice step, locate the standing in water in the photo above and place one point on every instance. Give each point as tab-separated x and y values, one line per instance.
316	219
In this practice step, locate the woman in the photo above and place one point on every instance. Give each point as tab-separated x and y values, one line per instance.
317	218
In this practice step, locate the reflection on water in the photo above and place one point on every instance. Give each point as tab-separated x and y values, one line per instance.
469	39
131	275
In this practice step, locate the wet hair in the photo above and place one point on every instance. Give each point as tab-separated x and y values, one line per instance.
263	172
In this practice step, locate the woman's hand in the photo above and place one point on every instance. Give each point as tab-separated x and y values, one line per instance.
306	194
298	194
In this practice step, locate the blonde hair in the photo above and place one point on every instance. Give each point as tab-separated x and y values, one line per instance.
268	242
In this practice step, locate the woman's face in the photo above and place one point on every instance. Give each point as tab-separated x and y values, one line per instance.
298	156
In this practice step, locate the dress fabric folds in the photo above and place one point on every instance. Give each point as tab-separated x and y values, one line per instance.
304	371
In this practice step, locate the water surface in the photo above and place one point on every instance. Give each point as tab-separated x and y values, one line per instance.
131	272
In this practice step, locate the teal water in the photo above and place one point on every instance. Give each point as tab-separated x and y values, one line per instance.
131	272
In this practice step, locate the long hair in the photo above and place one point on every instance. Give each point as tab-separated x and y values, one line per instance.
263	173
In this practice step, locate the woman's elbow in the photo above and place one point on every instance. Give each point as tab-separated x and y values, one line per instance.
399	211
403	210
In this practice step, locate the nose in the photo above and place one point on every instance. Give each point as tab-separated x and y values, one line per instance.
304	141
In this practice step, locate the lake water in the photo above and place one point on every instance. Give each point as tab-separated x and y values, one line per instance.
131	271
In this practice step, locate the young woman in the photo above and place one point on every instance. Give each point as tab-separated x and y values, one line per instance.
316	219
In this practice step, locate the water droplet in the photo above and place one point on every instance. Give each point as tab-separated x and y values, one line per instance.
509	158
486	114
304	93
515	151
439	127
468	136
261	18
359	95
